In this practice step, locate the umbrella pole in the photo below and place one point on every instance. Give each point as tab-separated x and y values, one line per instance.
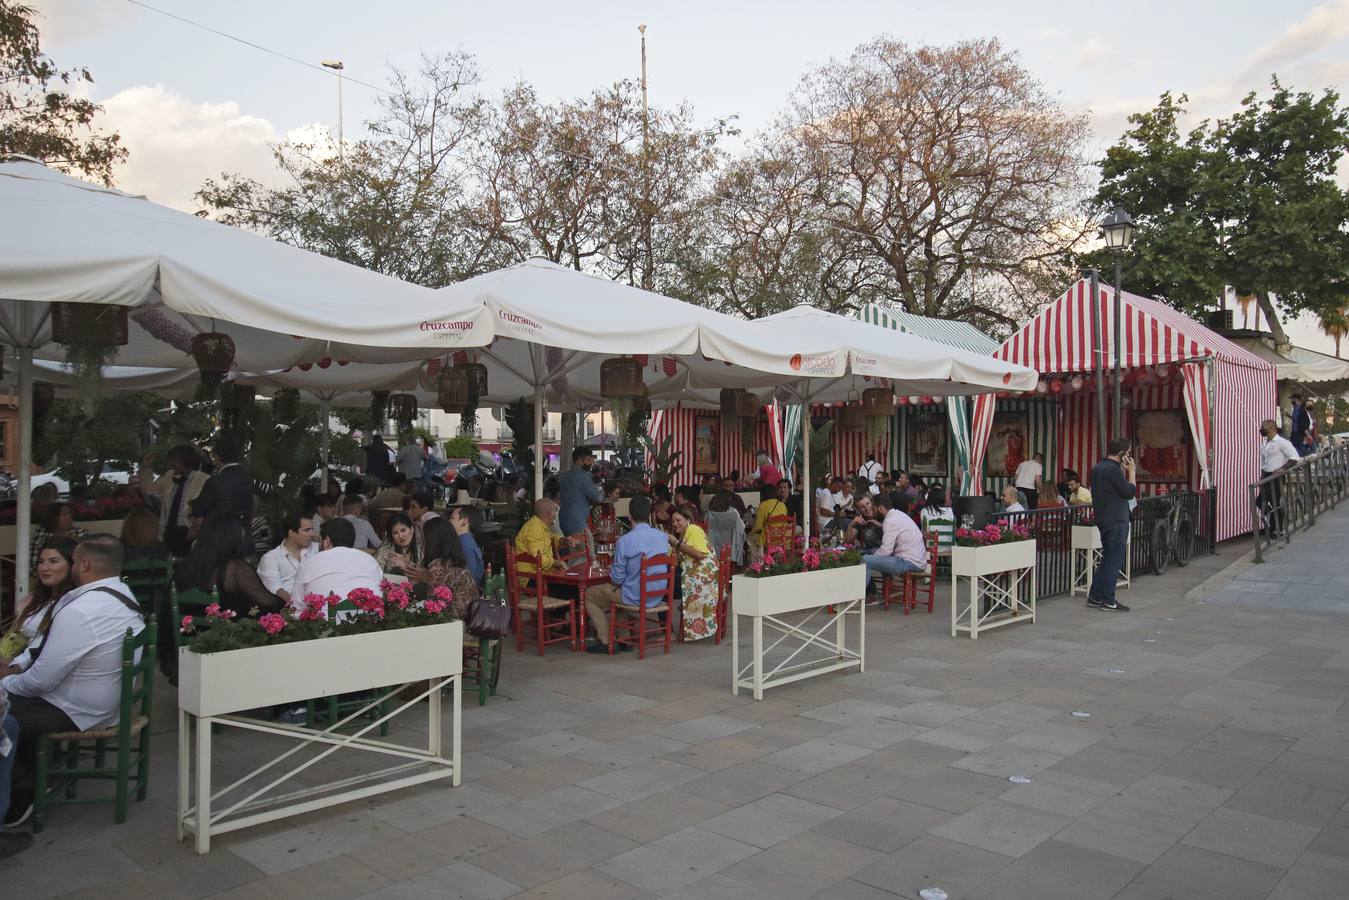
539	456
325	434
24	510
807	487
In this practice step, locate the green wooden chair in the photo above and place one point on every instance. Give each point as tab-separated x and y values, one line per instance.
66	758
150	581
482	659
324	711
193	601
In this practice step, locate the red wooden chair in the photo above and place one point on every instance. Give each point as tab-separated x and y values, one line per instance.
575	555
655	598
723	590
914	583
528	597
780	531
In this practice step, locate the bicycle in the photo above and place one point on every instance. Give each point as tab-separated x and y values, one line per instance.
1172	537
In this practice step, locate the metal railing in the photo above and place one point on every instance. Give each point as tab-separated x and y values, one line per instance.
1202	508
1290	501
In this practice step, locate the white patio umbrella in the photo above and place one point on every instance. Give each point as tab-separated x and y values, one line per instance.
67	240
822	357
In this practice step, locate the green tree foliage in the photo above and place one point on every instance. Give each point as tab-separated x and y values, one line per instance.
77	445
38	115
1249	201
461	447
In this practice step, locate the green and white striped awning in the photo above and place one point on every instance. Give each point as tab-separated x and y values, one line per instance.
944	331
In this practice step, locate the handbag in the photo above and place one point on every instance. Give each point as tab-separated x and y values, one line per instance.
12	644
489	618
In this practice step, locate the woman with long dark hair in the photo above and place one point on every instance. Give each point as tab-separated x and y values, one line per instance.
32	614
400	554
221	559
443	555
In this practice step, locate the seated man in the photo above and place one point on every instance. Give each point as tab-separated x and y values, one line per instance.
464	518
901	550
337	568
536	537
353	510
1011	500
278	566
72	681
1078	495
865	529
625	575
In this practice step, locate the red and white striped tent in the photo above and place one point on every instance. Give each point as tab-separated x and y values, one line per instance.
1224	389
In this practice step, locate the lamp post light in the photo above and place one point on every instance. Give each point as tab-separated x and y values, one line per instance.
336	66
1118	231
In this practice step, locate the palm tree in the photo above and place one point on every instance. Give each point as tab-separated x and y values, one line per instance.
1336	325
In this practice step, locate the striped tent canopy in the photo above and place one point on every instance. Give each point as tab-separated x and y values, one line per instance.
944	331
1224	389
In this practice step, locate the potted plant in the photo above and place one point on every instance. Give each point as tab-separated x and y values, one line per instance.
784	580
91	333
992	549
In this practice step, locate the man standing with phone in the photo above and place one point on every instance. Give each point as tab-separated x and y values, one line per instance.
1112	487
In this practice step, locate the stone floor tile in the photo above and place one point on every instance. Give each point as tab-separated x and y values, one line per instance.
1006	759
952	790
704	728
1217	769
1118	767
846	787
1058	792
1054	869
932	712
816	756
885	824
1197	874
1053	737
1288	801
338	878
677	860
549	856
718	887
642	780
801	866
1189	801
629	750
847	713
541	746
1334	837
771	820
457	881
1014	715
658	815
1126	832
1003	828
411	855
879	734
65	873
1240	742
728	752
912	757
1315	876
955	867
744	784
966	734
1261	839
592	884
526	818
541	777
1311	770
299	847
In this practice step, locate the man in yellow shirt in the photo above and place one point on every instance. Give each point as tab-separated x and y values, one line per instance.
1078	495
536	536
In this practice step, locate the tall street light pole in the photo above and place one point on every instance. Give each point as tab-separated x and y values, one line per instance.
1118	231
336	66
647	211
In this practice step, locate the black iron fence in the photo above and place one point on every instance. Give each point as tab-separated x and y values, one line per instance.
1291	500
1052	528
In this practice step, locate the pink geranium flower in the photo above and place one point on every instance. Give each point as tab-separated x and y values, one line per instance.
215	612
272	623
186	625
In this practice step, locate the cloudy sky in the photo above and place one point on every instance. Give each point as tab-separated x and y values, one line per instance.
190	104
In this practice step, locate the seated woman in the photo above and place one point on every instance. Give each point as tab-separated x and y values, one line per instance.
697	584
661	506
140	536
399	554
770	507
32	613
443	554
221	560
726	527
940	519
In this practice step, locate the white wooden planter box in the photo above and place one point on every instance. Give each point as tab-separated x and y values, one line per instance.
765	600
214	686
994	576
1086	554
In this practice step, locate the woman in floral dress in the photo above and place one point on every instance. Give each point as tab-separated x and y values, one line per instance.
698	575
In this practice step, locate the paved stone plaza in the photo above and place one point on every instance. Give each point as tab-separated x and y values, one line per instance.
1214	764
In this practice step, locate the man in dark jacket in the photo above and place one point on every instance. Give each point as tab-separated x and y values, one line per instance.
1112	487
229	492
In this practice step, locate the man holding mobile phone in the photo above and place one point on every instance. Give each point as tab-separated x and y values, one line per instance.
1112	489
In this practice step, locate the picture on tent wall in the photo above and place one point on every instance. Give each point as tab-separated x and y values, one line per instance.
927	441
1008	444
707	445
1163	451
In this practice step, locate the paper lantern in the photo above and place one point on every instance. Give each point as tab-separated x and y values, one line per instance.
1077	382
878	402
902	401
914	400
89	323
620	377
1056	386
1042	387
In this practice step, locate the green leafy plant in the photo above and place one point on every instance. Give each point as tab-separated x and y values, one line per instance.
779	561
86	362
821	451
520	420
461	446
664	458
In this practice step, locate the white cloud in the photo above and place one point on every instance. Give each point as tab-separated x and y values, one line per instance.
175	144
1091	50
1322	26
1049	33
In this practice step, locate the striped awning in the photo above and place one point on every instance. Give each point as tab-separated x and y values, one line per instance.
944	331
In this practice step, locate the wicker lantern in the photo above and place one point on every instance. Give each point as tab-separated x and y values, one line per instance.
44	395
286	405
878	402
403	407
747	405
213	351
89	323
730	401
852	418
620	377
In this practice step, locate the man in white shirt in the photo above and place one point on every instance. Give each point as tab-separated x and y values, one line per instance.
1029	476
828	500
902	549
1276	454
1011	500
72	681
869	469
353	510
337	568
278	566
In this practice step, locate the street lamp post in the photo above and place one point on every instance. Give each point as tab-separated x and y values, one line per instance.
1118	231
336	66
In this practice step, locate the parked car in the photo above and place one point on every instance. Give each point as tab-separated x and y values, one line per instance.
110	474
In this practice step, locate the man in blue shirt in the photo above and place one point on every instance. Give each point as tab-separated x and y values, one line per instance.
1112	487
625	575
577	493
463	520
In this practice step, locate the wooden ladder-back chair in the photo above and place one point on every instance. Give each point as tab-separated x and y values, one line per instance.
528	598
656	596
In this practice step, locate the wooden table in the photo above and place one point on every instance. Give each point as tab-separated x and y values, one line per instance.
581	579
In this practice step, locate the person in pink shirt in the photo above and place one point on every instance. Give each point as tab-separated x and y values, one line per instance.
768	473
902	549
